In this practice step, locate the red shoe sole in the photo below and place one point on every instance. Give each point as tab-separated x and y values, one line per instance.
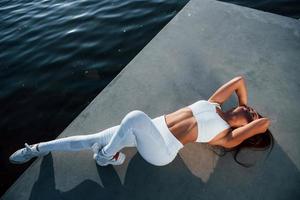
116	156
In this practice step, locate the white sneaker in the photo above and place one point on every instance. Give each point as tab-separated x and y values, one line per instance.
117	159
25	154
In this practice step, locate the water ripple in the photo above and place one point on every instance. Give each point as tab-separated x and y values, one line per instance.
56	56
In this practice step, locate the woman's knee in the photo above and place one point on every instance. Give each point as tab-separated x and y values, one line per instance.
135	117
137	121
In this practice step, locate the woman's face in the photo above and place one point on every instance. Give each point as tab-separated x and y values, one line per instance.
254	115
243	115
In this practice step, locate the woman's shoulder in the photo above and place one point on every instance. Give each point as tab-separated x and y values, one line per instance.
214	103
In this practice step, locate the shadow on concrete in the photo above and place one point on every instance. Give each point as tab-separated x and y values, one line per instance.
142	181
175	181
204	46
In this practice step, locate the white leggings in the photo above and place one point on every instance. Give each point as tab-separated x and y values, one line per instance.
152	138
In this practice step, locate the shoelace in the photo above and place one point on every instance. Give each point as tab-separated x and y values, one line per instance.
25	150
96	147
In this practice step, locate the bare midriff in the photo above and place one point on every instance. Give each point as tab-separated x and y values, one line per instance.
183	125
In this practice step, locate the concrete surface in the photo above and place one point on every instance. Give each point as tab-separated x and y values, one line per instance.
204	46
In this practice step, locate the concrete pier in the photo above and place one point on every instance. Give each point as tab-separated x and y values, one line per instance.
205	45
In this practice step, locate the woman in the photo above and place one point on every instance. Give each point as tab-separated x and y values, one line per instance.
158	140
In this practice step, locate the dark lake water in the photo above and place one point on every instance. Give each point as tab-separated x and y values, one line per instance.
56	56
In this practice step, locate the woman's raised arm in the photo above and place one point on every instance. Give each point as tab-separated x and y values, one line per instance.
240	134
242	92
238	85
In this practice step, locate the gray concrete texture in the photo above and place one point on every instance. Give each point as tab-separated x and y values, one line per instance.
205	45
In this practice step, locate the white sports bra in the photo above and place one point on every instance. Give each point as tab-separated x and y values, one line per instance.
209	121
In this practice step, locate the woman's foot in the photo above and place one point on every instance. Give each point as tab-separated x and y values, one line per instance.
25	154
117	159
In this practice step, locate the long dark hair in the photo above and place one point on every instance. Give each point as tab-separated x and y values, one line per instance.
258	142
